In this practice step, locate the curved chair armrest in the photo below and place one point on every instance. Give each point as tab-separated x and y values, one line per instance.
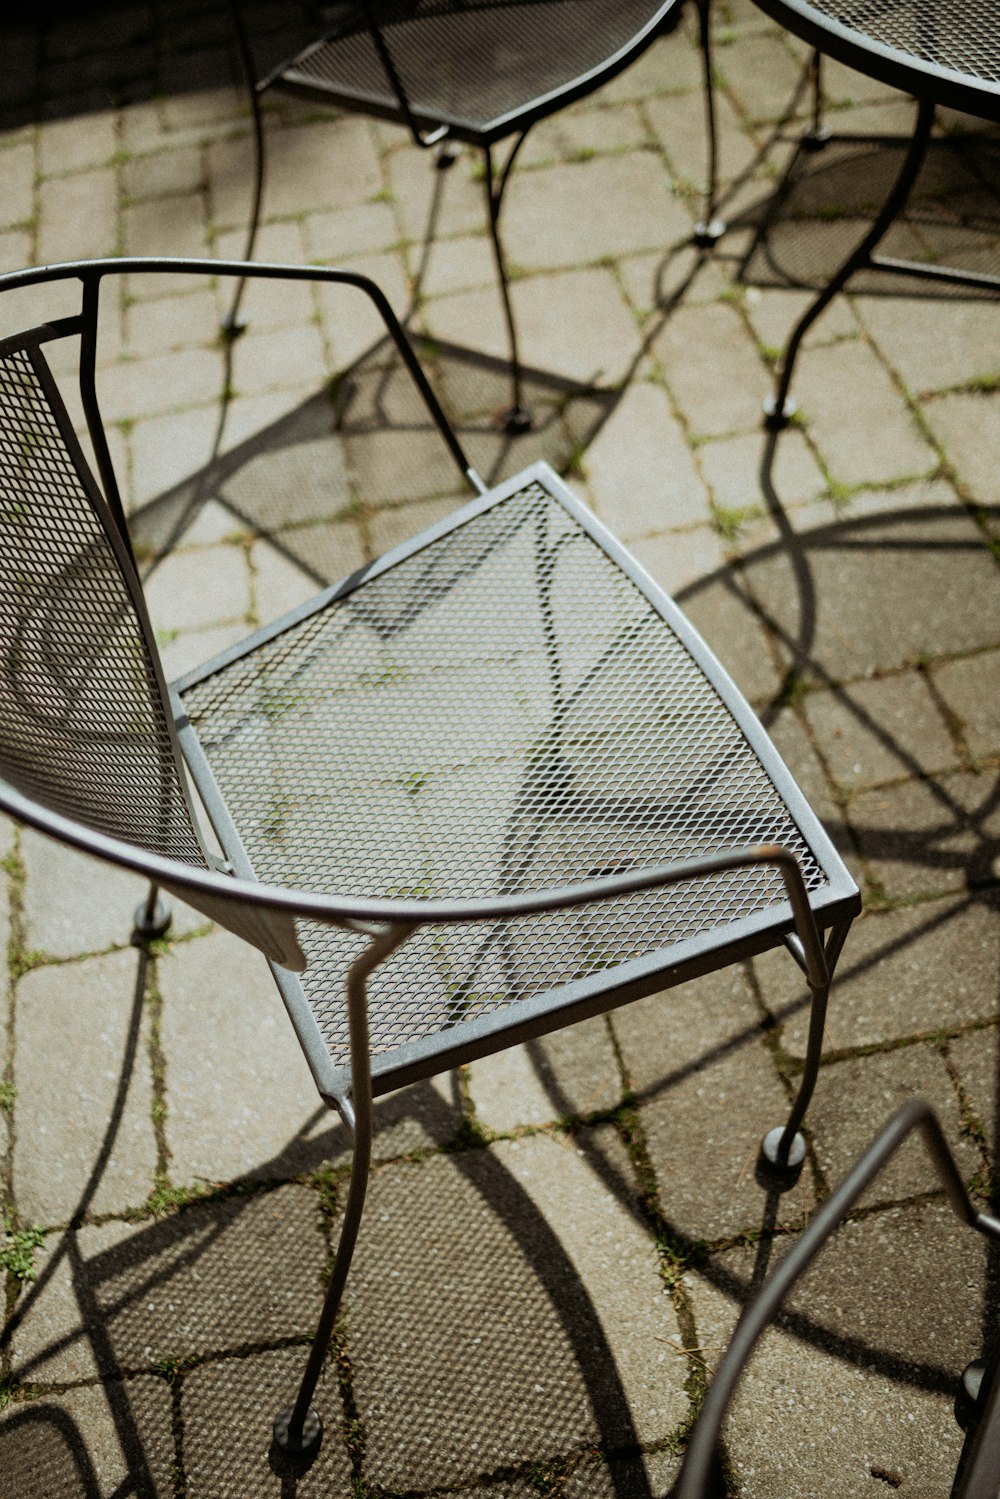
374	916
92	272
915	1115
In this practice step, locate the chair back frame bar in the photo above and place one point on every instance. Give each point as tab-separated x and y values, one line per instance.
91	273
696	1474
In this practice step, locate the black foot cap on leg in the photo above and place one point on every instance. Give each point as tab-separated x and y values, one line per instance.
446	155
967	1399
816	140
775	419
516	420
230	329
707	233
306	1443
775	1169
149	926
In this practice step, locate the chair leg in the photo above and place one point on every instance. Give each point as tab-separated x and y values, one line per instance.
710	227
151	918
783	1150
778	409
232	326
817	135
298	1429
517	418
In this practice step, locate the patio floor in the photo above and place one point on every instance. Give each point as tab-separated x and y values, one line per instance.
558	1240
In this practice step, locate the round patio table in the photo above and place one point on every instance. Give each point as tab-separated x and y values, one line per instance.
944	52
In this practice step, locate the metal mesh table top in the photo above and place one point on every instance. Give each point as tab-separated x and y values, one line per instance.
502	710
470	65
944	50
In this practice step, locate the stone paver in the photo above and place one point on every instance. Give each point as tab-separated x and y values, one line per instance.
18	162
850	615
585	211
640	469
865	434
228	1395
536	1348
78	216
877	731
558	1238
967	688
84	918
89	1441
934	345
726	359
84	1085
570	1072
204	587
598	348
690	1055
226	1046
906	972
967	427
925	838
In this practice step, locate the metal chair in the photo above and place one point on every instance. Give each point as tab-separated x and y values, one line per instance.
491	784
979	1470
469	71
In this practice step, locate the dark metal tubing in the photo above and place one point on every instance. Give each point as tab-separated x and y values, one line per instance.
90	309
818	135
298	1430
780	1148
710	228
979	1473
760	1312
517	419
231	325
954	275
433	136
428	132
152	918
778	408
93	271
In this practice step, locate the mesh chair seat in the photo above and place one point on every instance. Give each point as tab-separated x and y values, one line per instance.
478	68
502	710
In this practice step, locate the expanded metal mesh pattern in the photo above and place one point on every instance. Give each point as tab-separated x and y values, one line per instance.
959	34
82	725
501	711
469	63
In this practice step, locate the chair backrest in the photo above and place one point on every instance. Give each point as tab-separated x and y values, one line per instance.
86	729
84	724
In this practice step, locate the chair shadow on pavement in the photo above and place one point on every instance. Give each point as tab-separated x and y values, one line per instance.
825	200
363	449
189	1330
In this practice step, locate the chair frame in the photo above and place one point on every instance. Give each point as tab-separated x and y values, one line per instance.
980	1473
433	133
265	915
